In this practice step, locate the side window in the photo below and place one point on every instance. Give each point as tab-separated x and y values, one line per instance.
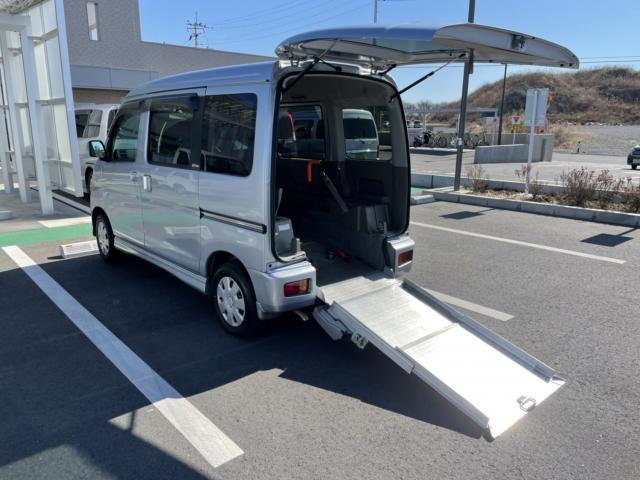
123	141
93	124
170	132
82	117
228	133
301	132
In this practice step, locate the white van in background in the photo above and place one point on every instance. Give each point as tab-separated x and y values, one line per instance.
360	134
92	123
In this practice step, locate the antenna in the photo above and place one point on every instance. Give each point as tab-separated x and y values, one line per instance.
196	29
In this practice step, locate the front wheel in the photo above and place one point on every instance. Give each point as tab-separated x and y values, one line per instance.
634	166
105	239
87	181
235	301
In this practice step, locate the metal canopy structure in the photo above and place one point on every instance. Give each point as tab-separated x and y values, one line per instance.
39	143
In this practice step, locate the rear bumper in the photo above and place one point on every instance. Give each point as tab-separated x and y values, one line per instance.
269	289
633	159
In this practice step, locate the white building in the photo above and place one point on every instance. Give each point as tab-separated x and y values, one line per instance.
53	52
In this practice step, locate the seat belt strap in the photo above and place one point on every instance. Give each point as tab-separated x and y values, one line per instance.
334	192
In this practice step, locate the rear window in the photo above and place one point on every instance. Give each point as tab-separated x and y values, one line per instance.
228	133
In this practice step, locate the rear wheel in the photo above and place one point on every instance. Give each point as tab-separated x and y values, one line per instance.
105	239
235	301
634	166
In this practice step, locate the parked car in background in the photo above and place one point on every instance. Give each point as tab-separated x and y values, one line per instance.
634	157
92	123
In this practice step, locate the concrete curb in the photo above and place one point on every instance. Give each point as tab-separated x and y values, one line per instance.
5	214
422	199
431	181
563	211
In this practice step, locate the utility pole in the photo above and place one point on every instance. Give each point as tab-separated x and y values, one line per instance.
375	10
196	29
504	87
468	66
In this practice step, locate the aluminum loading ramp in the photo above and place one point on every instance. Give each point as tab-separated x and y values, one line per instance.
491	380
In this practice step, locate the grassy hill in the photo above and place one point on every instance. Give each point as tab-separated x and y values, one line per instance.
604	95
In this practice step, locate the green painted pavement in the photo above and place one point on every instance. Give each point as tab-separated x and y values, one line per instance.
41	235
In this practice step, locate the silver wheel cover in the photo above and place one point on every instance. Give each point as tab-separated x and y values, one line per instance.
230	301
103	238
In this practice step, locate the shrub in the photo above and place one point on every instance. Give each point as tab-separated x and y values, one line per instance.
535	186
579	186
477	180
606	188
631	195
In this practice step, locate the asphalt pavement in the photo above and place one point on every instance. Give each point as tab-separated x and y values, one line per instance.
299	405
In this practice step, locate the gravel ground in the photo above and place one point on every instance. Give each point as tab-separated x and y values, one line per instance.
608	140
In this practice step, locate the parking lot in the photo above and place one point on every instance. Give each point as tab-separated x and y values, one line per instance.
442	162
295	403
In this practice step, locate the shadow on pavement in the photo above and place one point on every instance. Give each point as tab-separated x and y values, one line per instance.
58	390
57	395
608	240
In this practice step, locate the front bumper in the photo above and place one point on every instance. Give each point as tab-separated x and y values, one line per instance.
269	289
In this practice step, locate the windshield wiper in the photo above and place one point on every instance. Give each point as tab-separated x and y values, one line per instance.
423	78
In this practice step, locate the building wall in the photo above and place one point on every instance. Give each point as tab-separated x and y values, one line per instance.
89	95
120	59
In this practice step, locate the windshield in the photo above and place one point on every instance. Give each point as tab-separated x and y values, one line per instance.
359	128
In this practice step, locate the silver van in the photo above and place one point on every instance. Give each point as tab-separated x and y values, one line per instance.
240	182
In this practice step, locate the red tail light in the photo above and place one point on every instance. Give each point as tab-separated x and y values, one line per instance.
299	287
405	257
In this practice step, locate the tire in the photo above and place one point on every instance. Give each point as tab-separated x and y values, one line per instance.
634	166
87	181
235	301
441	141
105	239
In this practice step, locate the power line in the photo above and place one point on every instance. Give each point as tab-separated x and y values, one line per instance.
317	6
289	30
258	13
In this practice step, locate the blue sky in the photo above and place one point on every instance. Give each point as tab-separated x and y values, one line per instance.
593	29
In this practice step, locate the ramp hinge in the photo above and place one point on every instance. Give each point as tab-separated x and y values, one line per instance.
359	340
527	403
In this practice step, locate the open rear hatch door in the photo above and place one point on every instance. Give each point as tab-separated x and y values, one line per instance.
491	380
379	47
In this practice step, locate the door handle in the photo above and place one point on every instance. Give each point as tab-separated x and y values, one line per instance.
146	183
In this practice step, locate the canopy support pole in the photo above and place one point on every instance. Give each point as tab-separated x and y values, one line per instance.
468	66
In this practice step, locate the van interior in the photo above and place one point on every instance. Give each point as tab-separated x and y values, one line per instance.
341	174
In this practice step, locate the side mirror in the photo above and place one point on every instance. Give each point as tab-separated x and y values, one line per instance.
96	149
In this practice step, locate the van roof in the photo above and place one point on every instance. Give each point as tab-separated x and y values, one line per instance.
357	113
232	75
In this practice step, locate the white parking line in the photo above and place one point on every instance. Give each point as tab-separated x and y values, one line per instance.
65	222
209	440
472	307
524	244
